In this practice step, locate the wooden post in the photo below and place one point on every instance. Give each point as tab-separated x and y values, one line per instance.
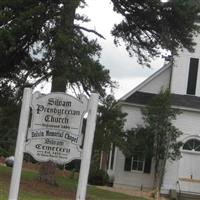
87	147
19	150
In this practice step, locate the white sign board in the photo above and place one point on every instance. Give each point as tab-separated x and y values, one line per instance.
55	132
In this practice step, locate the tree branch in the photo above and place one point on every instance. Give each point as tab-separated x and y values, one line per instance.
89	30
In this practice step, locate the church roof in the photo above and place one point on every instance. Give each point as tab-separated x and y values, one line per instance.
143	98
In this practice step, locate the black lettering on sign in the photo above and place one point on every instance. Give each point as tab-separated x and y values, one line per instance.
58	102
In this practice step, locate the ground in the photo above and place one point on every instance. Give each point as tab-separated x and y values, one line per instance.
67	187
135	193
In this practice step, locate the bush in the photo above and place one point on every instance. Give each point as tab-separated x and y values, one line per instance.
4	152
98	177
73	165
111	181
29	158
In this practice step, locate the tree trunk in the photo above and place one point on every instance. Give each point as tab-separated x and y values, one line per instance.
161	171
158	186
157	194
59	81
159	178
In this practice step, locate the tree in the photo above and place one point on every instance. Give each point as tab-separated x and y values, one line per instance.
110	124
41	40
109	127
158	138
149	26
9	115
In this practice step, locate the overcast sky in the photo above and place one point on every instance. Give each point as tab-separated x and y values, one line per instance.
123	69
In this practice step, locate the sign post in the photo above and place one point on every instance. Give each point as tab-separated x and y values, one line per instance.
19	151
55	133
87	147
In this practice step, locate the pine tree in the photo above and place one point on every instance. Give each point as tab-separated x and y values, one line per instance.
148	26
42	40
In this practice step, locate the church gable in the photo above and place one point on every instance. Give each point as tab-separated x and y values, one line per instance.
159	80
142	94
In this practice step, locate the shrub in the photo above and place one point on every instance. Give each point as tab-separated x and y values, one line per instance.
4	152
73	165
29	158
98	177
111	181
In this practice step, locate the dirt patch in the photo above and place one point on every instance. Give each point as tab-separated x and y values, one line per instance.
136	193
36	167
31	166
2	159
130	192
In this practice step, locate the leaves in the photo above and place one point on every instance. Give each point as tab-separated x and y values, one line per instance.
43	39
158	117
110	124
157	138
9	116
148	26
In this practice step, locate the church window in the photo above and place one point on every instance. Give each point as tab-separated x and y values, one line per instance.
192	145
137	163
192	77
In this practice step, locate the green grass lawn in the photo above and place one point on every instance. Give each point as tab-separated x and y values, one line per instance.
32	189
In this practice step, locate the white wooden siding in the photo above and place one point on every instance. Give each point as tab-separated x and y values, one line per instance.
130	179
181	69
189	123
158	83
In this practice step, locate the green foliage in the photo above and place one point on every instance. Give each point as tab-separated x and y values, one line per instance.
29	158
43	40
95	161
148	26
40	40
9	119
110	124
4	152
158	137
109	130
72	174
139	140
158	117
98	177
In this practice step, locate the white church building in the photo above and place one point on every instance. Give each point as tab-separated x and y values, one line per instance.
183	176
